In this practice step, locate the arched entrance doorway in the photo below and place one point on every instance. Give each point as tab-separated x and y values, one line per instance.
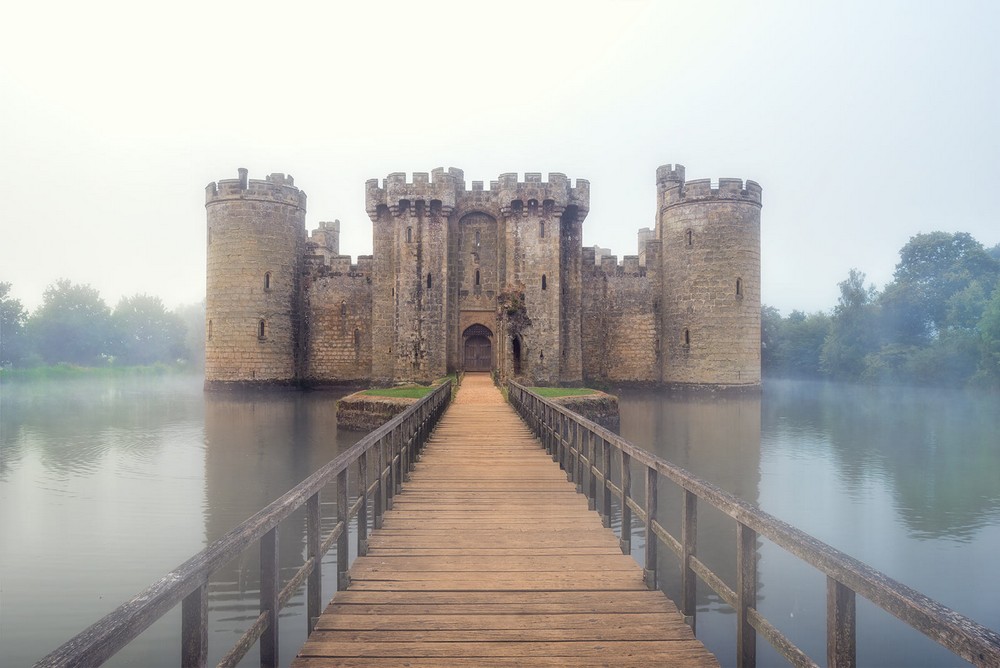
478	348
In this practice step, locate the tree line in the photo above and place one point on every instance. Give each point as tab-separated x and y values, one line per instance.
937	322
75	326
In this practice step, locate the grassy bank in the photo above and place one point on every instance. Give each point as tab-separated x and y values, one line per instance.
554	392
72	371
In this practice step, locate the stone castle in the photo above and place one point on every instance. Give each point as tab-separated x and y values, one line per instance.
491	279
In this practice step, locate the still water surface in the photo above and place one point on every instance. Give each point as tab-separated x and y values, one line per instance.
106	486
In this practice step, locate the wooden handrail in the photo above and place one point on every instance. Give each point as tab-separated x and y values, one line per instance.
394	446
846	576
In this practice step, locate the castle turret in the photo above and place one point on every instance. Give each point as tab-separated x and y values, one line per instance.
710	235
256	240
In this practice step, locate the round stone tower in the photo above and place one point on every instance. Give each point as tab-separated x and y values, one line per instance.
711	279
253	305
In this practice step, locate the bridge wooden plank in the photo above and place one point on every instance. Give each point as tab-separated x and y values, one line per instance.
490	556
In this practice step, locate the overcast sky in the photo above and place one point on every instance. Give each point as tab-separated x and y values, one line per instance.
864	122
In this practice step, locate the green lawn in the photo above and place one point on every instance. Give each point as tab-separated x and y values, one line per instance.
552	392
415	392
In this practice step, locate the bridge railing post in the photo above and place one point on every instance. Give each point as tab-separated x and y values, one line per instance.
194	628
591	476
363	508
561	424
606	466
841	625
343	540
380	487
689	538
649	572
625	541
578	436
314	588
746	595
270	588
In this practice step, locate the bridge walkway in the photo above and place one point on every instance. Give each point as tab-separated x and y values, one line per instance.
490	557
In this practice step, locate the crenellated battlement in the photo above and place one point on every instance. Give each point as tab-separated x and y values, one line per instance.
276	187
706	190
448	186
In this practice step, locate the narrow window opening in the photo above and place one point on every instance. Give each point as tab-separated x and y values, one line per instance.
209	330
690	237
477	277
428	281
260	330
687	337
541	229
267	280
357	340
477	237
516	354
544	283
343	308
409	234
739	287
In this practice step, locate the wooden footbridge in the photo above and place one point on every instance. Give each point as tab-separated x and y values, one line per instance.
492	557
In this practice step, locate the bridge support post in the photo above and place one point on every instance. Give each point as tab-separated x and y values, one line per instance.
625	541
649	572
841	625
591	476
380	487
689	538
270	588
606	466
343	540
363	508
578	439
314	588
194	628
746	595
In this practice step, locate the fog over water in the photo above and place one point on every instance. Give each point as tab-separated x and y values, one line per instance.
105	486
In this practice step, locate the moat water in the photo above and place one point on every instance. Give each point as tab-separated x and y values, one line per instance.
106	486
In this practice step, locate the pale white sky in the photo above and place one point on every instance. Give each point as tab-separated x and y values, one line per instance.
864	122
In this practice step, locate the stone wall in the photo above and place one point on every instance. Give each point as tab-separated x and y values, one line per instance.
621	338
339	308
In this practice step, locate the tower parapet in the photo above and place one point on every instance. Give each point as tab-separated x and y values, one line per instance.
276	187
557	190
438	186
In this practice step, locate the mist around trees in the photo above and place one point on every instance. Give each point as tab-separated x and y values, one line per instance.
936	323
74	326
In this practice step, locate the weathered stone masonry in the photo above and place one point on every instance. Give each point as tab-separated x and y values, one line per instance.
284	308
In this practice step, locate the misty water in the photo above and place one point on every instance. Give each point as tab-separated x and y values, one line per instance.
105	486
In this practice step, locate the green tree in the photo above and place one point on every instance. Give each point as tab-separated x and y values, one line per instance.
13	344
804	338
853	333
989	337
145	332
73	325
771	336
193	316
932	269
